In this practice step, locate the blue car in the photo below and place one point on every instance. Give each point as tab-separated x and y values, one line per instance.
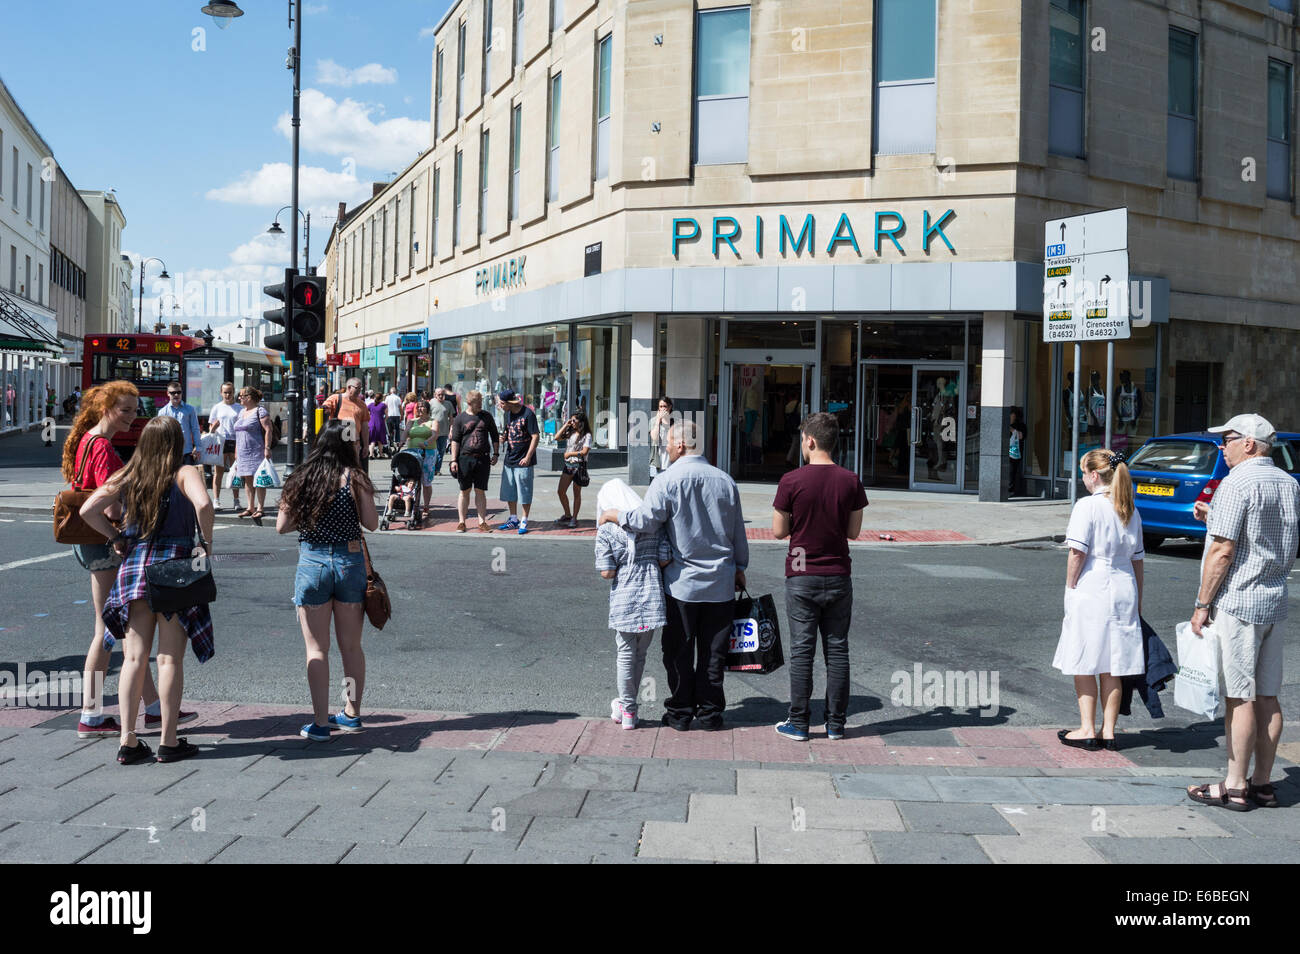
1171	473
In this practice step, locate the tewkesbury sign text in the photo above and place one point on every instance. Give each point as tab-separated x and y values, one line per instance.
799	237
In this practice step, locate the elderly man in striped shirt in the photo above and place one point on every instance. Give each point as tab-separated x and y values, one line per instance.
1251	534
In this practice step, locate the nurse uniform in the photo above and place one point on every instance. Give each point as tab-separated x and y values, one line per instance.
1101	631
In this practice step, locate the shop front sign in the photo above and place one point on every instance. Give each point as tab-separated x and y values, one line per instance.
503	276
798	237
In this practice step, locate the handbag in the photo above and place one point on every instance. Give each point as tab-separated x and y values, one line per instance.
578	472
68	525
379	609
755	636
178	583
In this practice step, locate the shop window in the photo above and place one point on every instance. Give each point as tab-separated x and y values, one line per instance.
1279	130
721	121
905	76
839	385
917	340
1180	144
772	334
1065	108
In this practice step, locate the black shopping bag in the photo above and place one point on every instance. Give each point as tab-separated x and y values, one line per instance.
755	636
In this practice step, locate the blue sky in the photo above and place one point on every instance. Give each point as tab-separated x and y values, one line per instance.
195	141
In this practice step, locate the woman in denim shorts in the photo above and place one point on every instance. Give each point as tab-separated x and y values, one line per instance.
328	500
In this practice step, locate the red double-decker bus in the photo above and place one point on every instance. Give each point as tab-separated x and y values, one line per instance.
151	362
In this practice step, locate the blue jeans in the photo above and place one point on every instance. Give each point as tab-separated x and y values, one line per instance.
819	604
438	454
329	572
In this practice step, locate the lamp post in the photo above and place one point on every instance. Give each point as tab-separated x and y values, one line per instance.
306	250
139	317
225	11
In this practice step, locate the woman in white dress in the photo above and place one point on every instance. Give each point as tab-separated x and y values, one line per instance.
1101	636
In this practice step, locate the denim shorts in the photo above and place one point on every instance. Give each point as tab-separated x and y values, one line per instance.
329	572
517	484
96	556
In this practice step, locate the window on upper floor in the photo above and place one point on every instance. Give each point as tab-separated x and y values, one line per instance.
604	59
29	192
14	195
437	198
487	48
13	268
460	69
721	121
516	131
1065	107
1279	129
483	182
40	284
557	15
437	95
42	189
553	142
905	77
455	205
517	41
2	163
1180	140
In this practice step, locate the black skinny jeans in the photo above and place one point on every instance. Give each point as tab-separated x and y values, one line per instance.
819	604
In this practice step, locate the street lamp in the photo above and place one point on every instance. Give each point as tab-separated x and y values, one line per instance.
227	11
139	318
276	230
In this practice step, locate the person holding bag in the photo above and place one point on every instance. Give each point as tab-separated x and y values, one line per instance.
328	500
159	500
253	441
89	460
577	433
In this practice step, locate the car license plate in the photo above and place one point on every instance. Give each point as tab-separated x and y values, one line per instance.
1155	490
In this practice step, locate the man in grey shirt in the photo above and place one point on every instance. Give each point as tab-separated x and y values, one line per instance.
700	506
1251	531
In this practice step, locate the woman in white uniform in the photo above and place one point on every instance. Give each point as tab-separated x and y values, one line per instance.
1101	636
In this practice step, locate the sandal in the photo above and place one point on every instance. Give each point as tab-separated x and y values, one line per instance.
257	514
1201	794
245	513
1263	795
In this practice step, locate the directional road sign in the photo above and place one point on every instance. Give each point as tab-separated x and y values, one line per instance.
1085	277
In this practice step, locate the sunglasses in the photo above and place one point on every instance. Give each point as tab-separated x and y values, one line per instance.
173	393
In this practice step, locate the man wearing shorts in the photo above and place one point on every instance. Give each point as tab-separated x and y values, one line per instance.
1251	531
473	452
221	421
521	439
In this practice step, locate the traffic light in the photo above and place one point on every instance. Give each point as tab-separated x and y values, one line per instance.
277	316
309	308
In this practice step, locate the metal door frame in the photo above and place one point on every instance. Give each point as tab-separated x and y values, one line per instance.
917	366
805	358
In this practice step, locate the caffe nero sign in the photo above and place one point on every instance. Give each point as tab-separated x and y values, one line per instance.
798	237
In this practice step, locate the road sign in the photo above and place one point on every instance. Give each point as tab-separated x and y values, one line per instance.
1085	277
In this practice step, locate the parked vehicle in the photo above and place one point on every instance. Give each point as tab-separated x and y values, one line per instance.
1171	473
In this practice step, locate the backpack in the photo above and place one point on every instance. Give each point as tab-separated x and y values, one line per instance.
476	442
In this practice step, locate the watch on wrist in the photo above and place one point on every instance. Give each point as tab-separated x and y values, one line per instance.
1202	606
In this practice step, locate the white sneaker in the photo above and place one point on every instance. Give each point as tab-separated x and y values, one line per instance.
629	719
616	710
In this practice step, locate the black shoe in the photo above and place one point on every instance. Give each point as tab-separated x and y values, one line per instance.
678	725
711	725
1091	745
174	753
1109	745
127	756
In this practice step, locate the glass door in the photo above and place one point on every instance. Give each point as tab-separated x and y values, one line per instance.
937	426
886	424
765	405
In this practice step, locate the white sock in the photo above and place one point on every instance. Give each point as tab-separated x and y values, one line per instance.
88	719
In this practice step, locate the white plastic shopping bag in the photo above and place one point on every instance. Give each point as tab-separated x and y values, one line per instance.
1196	688
209	450
232	481
267	475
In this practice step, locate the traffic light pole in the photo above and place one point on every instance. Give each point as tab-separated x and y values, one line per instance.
294	392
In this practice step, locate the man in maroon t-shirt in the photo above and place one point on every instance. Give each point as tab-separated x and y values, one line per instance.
819	507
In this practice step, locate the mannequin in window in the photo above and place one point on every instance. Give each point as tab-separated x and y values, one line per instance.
1128	405
1096	405
1067	416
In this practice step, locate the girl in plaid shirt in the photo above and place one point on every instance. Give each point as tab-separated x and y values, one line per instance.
633	563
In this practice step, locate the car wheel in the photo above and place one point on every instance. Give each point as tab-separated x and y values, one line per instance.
1151	541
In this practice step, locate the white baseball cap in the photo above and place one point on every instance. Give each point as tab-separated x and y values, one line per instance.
1249	425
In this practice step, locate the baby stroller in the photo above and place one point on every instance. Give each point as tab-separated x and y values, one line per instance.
404	491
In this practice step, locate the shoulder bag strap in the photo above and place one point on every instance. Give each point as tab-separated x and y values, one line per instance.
365	550
85	458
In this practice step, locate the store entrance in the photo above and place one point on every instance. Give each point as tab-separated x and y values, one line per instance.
765	405
911	425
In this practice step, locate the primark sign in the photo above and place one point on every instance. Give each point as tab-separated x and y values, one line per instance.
792	235
503	276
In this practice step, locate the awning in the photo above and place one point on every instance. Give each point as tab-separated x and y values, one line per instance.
19	331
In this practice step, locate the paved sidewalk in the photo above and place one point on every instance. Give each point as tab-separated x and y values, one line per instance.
547	787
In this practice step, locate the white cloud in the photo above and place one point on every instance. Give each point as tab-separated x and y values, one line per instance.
315	8
346	129
269	186
329	73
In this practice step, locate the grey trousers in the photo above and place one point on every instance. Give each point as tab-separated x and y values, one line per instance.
632	649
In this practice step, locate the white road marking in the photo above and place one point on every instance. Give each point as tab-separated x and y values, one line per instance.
38	521
39	559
